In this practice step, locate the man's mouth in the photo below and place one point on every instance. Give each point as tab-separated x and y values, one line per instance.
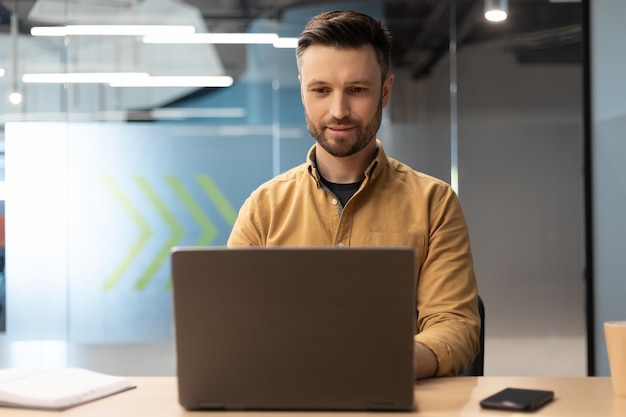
340	128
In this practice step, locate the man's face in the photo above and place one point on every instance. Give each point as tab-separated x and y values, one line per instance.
343	97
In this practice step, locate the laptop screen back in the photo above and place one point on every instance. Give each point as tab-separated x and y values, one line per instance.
294	328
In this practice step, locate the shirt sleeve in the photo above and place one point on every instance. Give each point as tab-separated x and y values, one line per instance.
245	231
448	320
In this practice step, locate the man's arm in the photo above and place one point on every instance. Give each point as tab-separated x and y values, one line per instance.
244	232
424	361
448	321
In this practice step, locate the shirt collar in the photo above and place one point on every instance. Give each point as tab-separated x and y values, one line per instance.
372	171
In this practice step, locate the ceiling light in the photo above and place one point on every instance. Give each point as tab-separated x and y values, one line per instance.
175	81
83	77
2	72
496	10
127	79
113	30
215	38
286	43
15	97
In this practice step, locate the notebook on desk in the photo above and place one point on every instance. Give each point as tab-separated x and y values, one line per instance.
294	328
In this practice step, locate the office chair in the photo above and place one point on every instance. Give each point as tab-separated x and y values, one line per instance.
477	368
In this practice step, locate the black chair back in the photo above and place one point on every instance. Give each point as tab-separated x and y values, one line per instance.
477	368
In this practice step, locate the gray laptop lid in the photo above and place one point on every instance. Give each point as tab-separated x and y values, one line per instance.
294	328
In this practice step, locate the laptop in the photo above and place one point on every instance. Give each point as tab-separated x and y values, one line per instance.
294	328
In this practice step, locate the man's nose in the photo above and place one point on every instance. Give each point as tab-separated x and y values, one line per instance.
339	107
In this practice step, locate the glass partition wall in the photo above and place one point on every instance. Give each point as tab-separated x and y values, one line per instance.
105	175
499	114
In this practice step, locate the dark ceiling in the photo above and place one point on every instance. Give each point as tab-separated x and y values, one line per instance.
537	31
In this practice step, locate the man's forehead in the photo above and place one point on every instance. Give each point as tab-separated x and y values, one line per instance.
316	49
358	63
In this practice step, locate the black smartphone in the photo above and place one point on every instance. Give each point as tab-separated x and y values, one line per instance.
518	399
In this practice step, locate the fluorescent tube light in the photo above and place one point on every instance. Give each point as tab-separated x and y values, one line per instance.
2	72
215	38
84	77
128	79
175	81
113	30
286	43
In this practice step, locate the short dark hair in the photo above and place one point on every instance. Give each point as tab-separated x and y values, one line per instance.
347	29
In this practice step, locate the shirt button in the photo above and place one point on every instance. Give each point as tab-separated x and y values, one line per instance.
334	201
340	244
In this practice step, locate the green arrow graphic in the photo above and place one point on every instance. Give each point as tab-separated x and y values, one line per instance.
177	233
144	235
214	193
209	231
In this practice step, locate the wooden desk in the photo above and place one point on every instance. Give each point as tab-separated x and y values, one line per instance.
443	397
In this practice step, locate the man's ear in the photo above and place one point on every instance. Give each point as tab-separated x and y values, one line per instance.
387	84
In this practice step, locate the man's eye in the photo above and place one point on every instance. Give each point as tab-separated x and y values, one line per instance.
358	90
319	90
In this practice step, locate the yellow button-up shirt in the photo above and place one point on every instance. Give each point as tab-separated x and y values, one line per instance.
394	206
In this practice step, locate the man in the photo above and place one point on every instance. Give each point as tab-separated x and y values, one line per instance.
349	193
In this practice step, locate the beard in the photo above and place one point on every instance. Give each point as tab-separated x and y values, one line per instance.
349	145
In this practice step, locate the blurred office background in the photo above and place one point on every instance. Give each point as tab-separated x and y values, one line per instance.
117	147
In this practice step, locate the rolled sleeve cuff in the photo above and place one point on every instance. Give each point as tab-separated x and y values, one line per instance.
449	362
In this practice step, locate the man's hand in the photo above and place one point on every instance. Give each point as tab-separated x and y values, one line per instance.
424	361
